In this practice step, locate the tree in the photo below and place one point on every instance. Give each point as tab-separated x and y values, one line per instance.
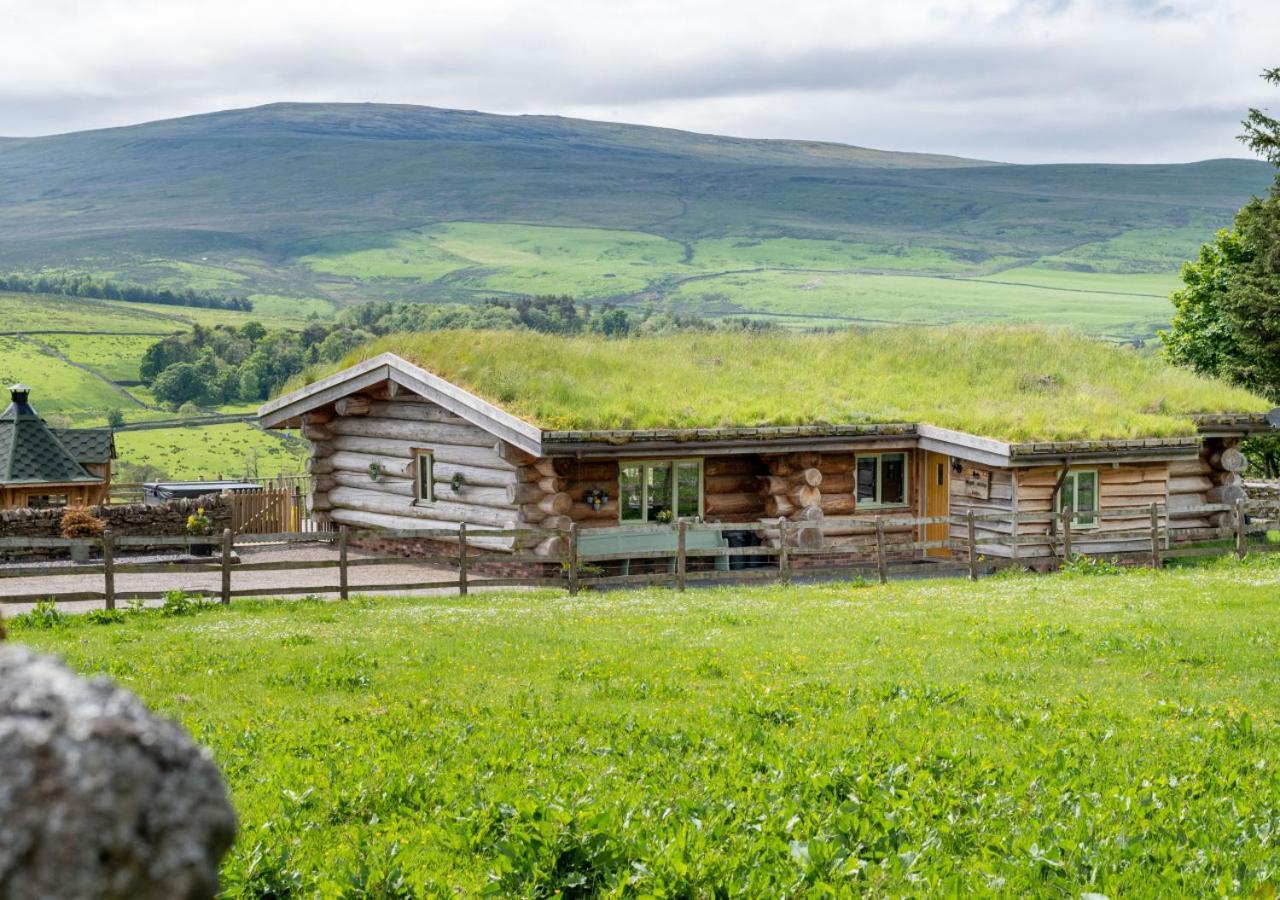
1261	131
178	385
115	418
1226	319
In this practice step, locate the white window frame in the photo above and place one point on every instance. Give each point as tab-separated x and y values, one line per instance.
879	458
421	497
673	464
1070	495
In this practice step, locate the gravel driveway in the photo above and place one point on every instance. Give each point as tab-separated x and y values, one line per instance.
324	580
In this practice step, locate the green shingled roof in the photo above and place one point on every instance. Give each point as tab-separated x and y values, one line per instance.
32	453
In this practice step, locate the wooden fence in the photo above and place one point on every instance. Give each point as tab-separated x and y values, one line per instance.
865	547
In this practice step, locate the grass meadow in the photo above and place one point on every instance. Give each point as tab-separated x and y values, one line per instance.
231	451
1066	735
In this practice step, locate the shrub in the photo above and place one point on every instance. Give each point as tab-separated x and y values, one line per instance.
45	615
78	522
178	603
1091	565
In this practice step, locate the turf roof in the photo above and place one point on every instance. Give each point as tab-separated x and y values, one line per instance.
1014	384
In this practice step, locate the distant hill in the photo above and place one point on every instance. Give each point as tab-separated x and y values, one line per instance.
338	203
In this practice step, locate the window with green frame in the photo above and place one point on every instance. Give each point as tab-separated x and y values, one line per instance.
1080	494
665	490
880	479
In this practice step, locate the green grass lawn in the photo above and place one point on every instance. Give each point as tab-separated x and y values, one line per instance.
1031	735
231	451
58	386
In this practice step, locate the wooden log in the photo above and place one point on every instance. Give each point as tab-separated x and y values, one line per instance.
1225	493
551	547
317	432
778	506
552	484
319	466
556	523
839	483
321	502
805	495
838	504
521	492
811	476
731	504
318	417
556	504
420	434
1233	460
809	538
731	465
355	405
1180	468
730	484
321	449
584	469
403	450
356	518
472	475
513	454
545	467
373	501
402	486
1189	484
414	412
809	514
771	485
322	483
584	512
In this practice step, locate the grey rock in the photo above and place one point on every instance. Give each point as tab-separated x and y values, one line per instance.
98	797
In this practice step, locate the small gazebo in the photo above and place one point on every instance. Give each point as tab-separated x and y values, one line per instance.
44	467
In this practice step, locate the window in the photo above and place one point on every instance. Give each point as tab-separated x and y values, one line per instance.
46	501
660	491
1080	494
880	479
423	477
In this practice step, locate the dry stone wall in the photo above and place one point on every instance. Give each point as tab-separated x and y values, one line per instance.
133	519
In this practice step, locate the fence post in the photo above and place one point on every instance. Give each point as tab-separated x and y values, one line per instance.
109	569
973	547
226	565
681	559
1240	548
881	571
343	592
1155	536
1066	534
573	559
462	559
784	555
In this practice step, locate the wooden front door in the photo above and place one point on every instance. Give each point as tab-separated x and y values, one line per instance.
937	499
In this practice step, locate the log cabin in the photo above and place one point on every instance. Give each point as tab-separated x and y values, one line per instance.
42	466
505	430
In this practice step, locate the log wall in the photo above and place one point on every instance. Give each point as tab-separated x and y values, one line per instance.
383	431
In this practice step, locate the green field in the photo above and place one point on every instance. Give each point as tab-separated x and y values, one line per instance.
58	387
802	299
230	451
1024	736
114	356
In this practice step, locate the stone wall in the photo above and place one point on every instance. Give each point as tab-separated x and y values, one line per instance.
133	519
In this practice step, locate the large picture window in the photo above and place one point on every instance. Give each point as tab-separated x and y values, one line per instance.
880	479
1080	493
660	490
423	477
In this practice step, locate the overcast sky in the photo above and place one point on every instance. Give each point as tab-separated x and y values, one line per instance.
1017	80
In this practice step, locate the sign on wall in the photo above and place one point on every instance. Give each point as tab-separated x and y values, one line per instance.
977	483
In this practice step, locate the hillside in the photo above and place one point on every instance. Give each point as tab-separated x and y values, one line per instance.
338	203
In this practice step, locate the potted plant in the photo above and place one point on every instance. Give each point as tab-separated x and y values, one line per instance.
200	525
77	524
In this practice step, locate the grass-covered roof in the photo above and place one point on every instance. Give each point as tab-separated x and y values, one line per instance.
1015	384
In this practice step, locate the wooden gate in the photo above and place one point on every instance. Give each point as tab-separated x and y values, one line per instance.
270	511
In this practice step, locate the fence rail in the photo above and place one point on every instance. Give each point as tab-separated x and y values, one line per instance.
869	547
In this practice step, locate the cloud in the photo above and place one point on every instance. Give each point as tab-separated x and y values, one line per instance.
1026	80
